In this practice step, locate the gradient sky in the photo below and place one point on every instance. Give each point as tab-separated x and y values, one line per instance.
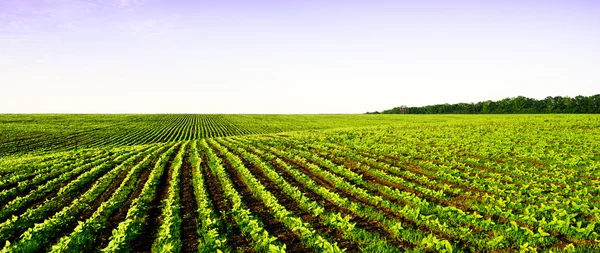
161	56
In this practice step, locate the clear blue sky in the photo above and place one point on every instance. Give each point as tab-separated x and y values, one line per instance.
159	56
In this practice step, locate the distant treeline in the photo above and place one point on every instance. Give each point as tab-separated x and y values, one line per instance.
520	104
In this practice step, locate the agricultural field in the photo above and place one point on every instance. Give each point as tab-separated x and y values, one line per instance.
299	183
26	133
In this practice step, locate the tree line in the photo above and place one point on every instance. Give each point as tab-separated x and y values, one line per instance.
520	104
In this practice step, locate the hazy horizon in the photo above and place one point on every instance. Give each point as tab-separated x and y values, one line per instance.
277	57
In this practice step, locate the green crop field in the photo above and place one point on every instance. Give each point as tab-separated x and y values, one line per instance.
300	183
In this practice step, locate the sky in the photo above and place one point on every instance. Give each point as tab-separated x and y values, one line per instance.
245	56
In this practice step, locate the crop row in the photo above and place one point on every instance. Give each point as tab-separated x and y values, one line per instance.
383	189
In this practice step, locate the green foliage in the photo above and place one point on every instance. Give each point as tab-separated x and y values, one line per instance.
376	183
520	105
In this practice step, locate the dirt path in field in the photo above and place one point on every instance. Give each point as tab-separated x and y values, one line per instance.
150	230
261	211
189	207
223	207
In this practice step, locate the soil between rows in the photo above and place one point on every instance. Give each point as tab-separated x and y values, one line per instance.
189	207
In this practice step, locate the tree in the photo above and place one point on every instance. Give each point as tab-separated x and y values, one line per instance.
520	104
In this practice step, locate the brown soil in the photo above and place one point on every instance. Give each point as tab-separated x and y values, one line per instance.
189	207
